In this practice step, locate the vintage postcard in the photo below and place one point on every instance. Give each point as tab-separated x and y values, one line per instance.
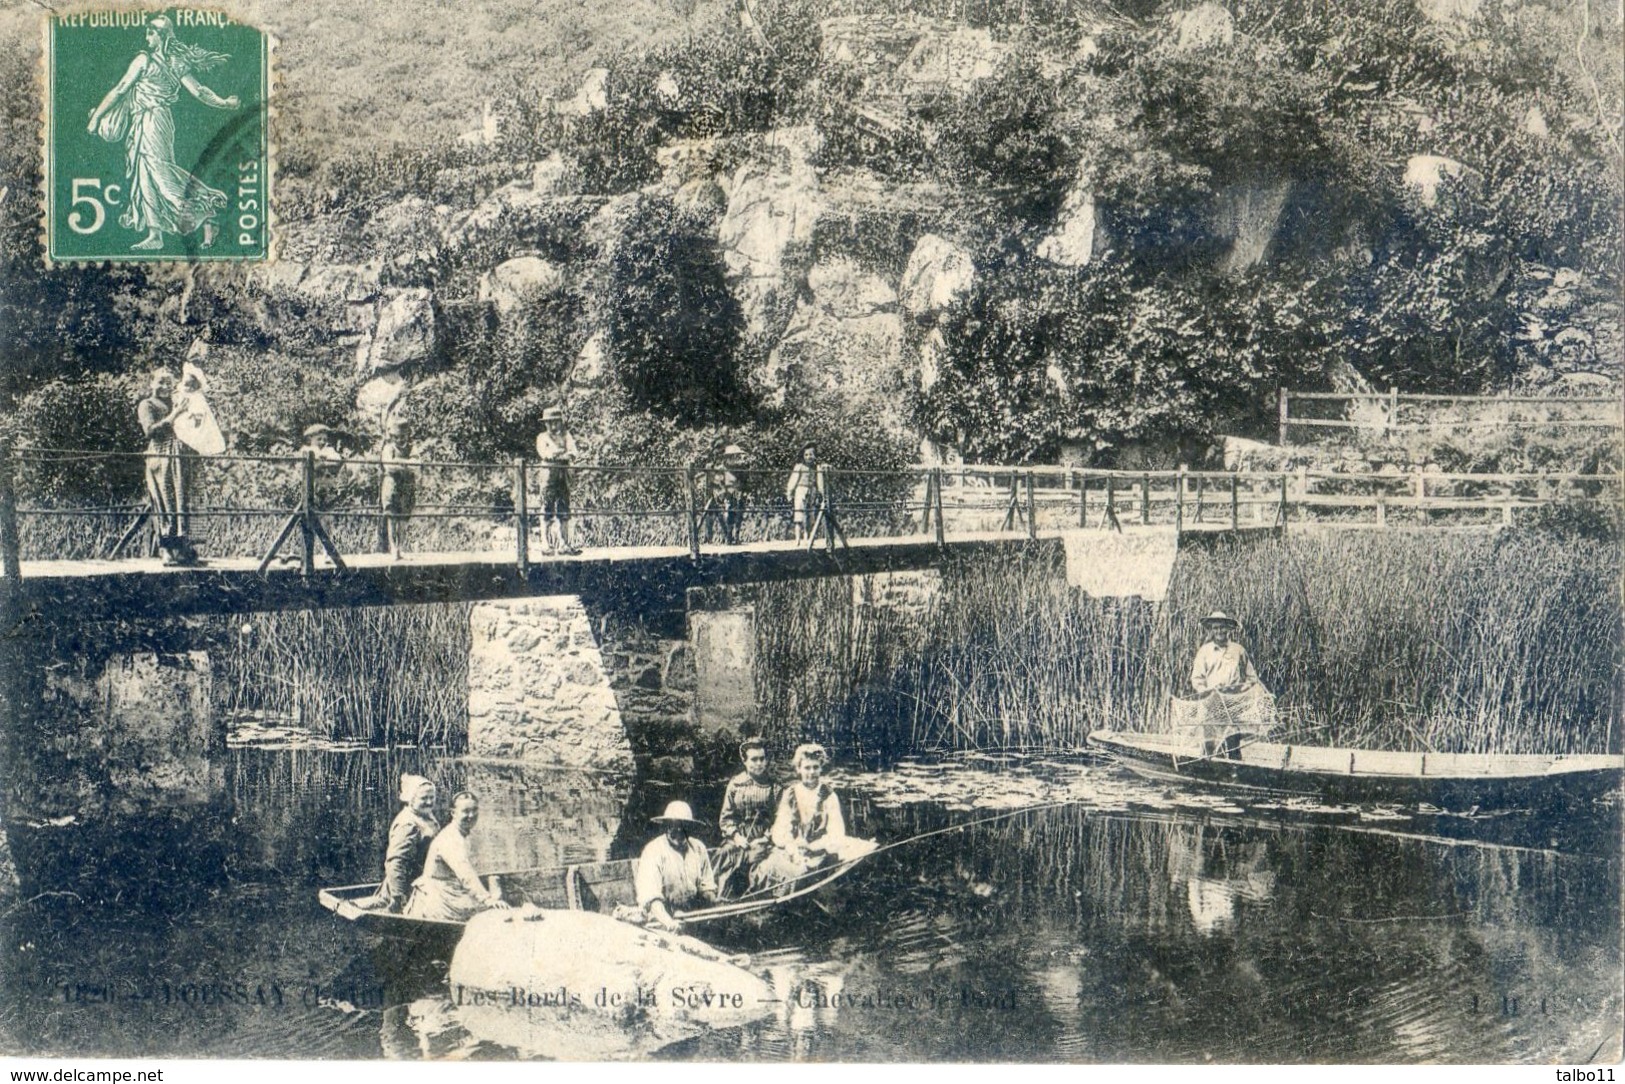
837	531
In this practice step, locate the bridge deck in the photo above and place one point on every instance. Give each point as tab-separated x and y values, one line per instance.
94	590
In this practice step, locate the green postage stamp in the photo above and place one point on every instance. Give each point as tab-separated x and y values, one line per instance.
156	141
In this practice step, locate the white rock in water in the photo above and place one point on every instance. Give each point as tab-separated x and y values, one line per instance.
582	986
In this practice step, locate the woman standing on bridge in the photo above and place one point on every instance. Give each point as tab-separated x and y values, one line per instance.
802	490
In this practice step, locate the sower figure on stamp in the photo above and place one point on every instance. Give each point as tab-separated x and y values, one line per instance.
160	197
748	807
557	451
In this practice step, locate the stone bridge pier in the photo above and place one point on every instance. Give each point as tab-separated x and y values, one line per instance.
623	685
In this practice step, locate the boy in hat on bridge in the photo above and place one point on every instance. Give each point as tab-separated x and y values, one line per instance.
557	451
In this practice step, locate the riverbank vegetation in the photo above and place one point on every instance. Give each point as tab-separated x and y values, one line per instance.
1505	642
1509	641
388	675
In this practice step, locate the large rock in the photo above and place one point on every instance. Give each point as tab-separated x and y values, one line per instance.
1077	229
1248	215
512	284
844	290
952	60
938	273
769	209
499	222
403	334
555	175
406	231
1202	26
591	97
586	987
327	300
1427	174
856	364
592	364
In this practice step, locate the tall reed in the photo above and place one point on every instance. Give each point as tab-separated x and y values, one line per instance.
1505	642
382	675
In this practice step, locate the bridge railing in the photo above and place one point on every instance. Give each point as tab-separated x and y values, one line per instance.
304	509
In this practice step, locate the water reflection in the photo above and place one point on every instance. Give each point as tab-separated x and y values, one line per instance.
1134	924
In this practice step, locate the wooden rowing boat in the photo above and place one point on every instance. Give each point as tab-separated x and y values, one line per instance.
1453	781
589	886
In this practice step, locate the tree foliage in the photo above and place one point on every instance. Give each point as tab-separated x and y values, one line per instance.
674	326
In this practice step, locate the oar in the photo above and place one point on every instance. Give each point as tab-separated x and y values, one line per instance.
751	900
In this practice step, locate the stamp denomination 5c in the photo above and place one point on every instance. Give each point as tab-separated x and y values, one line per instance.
156	137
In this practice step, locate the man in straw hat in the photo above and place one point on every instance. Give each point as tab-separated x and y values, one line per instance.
1230	700
1221	666
674	871
557	451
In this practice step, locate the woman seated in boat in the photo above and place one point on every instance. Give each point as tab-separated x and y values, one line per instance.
748	807
410	834
449	889
809	830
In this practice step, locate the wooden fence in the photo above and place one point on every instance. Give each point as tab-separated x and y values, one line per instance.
1392	413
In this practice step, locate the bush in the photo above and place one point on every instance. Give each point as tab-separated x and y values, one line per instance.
97	412
674	325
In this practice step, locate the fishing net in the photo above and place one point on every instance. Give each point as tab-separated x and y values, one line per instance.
1252	709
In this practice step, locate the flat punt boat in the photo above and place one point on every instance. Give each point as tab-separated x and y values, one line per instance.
1453	781
590	886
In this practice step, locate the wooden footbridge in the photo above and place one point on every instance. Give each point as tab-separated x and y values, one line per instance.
293	532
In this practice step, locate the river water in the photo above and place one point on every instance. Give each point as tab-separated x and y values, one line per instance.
1077	914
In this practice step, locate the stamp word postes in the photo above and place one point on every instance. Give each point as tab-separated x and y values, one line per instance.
156	141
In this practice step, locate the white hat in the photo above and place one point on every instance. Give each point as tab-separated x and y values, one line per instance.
676	813
412	784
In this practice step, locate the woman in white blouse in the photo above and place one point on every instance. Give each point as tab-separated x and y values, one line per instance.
449	888
809	830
